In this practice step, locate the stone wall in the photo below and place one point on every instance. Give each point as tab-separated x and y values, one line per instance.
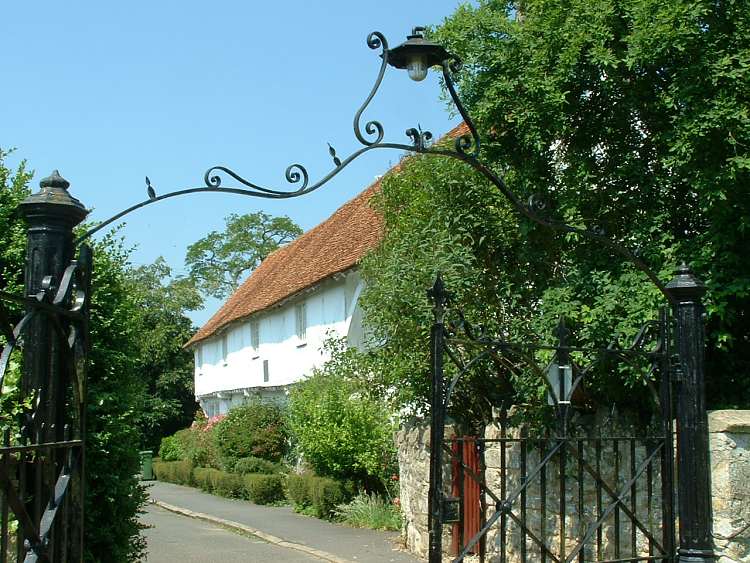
414	479
730	461
730	483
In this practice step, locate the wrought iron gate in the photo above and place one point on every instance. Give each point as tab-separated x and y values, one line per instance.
572	490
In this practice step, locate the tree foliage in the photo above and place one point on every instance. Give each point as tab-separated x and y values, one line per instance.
14	187
626	116
165	368
115	392
219	261
631	116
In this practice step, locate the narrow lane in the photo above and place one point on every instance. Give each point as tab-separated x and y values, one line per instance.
172	537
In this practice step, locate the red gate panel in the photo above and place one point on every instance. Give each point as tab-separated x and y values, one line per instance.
466	488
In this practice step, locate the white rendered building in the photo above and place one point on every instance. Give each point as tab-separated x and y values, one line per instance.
270	332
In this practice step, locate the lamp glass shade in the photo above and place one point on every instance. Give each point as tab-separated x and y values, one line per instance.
417	68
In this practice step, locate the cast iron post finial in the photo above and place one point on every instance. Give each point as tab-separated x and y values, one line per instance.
54	200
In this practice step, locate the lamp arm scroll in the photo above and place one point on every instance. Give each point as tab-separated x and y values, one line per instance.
466	148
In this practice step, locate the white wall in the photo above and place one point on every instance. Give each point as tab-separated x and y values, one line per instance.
329	311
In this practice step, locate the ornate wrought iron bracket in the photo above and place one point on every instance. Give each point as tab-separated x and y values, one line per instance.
466	147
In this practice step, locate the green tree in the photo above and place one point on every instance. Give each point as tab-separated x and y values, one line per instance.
219	261
627	116
14	187
631	116
114	497
166	369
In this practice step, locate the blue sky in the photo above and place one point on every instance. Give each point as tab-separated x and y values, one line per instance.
111	92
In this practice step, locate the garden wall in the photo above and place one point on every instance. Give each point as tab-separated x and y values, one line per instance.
730	461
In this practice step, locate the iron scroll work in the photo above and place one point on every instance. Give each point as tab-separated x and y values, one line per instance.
565	495
371	135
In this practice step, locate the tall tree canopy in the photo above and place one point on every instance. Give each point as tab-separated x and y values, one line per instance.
630	116
166	369
219	261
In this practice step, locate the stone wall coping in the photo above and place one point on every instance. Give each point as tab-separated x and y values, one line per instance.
733	421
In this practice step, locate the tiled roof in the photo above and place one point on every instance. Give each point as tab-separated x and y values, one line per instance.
334	246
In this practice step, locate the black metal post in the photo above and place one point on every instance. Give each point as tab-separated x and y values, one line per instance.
693	466
437	424
51	214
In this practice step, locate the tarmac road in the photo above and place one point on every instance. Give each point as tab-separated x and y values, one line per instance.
172	537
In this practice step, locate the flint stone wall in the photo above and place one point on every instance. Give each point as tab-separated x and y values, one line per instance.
730	462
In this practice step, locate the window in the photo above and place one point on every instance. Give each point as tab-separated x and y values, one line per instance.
199	360
265	371
300	314
224	348
255	334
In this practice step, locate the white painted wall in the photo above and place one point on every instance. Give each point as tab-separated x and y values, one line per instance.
331	307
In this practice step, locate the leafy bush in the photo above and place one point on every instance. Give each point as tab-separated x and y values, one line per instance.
196	445
342	431
255	429
228	485
318	495
252	464
326	494
178	472
370	511
171	449
202	477
298	490
263	489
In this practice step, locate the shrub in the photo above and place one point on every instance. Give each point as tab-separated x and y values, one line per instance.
178	472
298	489
228	485
199	446
326	494
342	431
202	478
319	494
252	464
370	511
263	489
171	449
255	429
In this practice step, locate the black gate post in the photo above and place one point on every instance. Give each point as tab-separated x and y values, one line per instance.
51	214
437	424
693	466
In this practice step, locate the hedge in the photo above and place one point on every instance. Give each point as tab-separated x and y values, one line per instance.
320	494
263	489
179	472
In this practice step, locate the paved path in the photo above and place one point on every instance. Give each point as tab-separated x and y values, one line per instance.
172	537
282	527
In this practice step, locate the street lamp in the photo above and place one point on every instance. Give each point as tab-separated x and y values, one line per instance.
417	54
